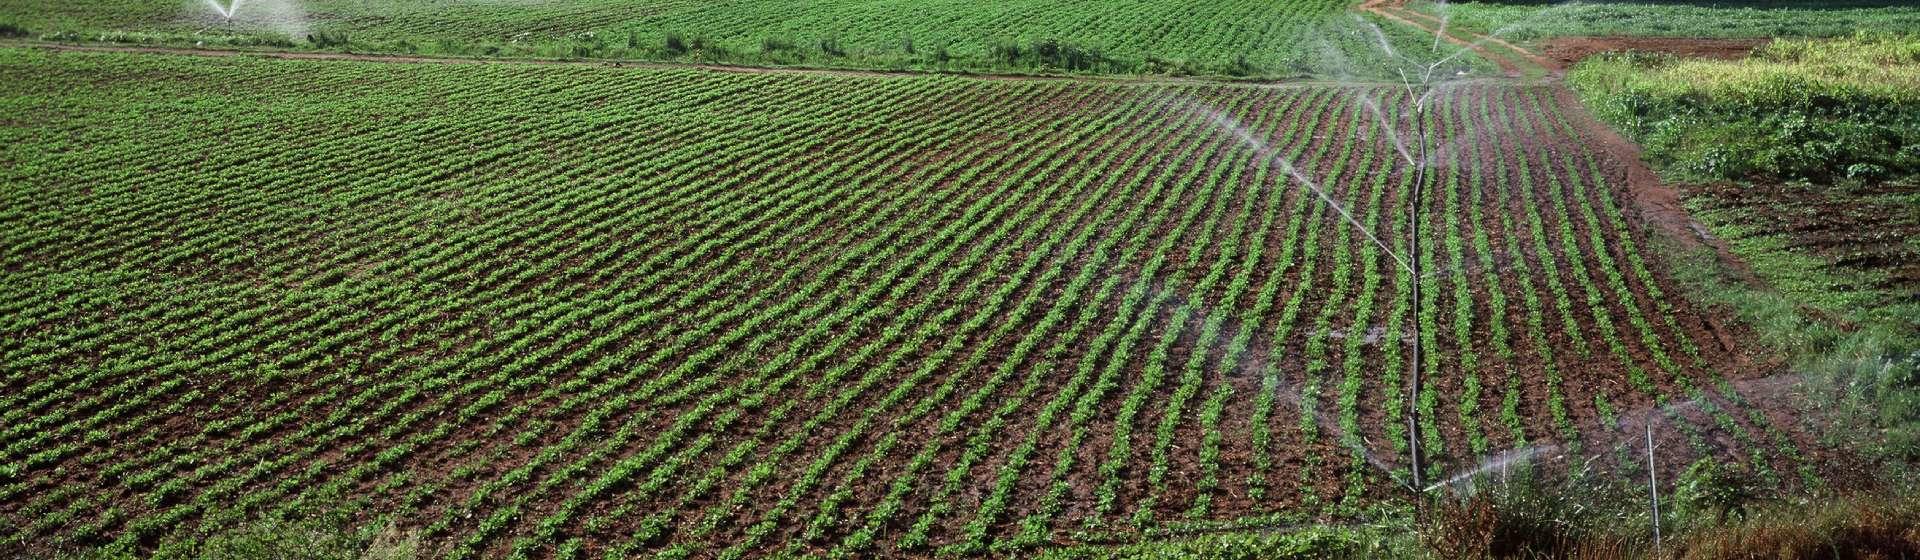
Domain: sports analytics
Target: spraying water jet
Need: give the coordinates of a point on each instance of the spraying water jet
(226, 12)
(1499, 462)
(282, 16)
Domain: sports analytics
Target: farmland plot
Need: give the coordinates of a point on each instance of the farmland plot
(1242, 38)
(554, 310)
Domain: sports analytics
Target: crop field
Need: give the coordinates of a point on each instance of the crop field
(858, 23)
(1136, 36)
(566, 310)
(1681, 18)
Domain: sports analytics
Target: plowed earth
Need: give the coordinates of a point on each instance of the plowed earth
(1565, 51)
(552, 309)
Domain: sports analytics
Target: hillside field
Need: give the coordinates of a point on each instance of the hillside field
(572, 310)
(1237, 38)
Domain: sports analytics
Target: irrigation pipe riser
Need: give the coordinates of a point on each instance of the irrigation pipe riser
(1653, 488)
(1413, 257)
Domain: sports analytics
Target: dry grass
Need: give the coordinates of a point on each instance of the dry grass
(1606, 522)
(1859, 527)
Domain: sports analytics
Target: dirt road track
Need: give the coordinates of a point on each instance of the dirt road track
(1395, 10)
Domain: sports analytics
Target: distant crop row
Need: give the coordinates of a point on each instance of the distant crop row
(567, 311)
(1240, 38)
(1736, 18)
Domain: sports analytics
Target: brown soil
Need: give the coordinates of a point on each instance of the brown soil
(1563, 52)
(1305, 466)
(1655, 203)
(1865, 228)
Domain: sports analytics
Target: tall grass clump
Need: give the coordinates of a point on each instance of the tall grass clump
(1534, 517)
(13, 29)
(1861, 526)
(320, 534)
(1813, 110)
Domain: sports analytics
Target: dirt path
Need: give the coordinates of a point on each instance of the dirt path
(1514, 63)
(1563, 52)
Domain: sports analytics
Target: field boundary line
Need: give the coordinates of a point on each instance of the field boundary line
(1091, 79)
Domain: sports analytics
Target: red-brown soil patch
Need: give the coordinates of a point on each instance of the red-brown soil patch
(1563, 52)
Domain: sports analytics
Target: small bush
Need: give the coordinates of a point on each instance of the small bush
(1712, 492)
(1051, 53)
(676, 44)
(1530, 517)
(327, 39)
(11, 29)
(831, 46)
(1241, 67)
(1818, 111)
(776, 44)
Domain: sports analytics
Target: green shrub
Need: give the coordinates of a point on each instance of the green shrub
(1534, 517)
(1713, 491)
(1798, 110)
(774, 44)
(1057, 55)
(325, 39)
(831, 46)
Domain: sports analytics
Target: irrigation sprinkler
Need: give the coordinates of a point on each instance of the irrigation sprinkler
(1413, 258)
(226, 12)
(284, 16)
(1420, 81)
(1418, 91)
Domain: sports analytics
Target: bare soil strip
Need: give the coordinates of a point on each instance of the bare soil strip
(1563, 52)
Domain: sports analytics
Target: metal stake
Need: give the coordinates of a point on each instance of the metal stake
(1653, 488)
